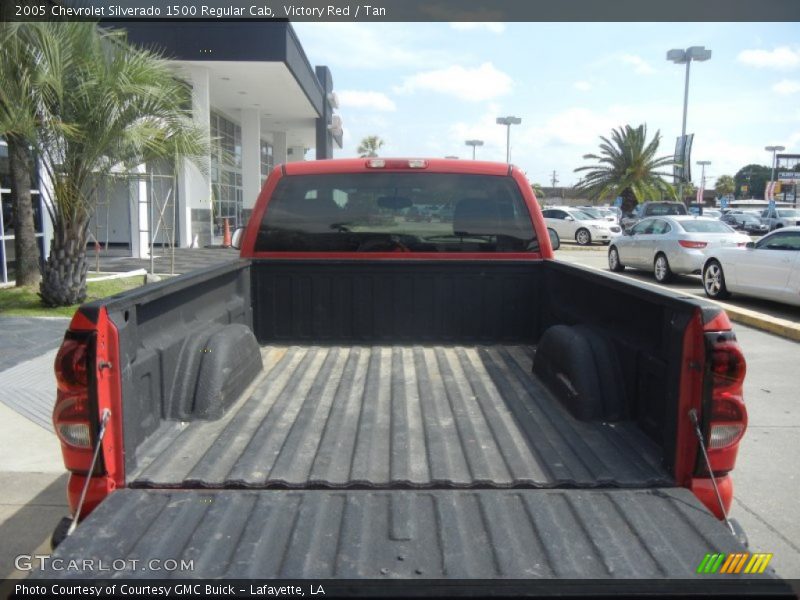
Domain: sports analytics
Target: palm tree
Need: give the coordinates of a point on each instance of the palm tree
(20, 77)
(369, 146)
(627, 167)
(724, 185)
(538, 191)
(108, 106)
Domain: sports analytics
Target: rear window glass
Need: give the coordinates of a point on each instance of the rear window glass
(705, 227)
(660, 210)
(396, 212)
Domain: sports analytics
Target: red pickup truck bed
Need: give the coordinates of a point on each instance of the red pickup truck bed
(414, 416)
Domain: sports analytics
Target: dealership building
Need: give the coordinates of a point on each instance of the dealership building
(263, 104)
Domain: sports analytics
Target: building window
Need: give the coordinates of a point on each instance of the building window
(267, 160)
(226, 173)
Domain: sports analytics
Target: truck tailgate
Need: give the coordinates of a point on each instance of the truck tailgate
(427, 534)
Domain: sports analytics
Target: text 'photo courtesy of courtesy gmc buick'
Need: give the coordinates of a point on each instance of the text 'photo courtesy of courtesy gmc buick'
(396, 380)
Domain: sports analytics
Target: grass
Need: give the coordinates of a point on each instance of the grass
(25, 302)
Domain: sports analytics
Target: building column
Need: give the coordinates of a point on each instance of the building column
(324, 148)
(251, 160)
(279, 147)
(140, 217)
(194, 186)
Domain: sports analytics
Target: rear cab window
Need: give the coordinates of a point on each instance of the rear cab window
(705, 227)
(389, 212)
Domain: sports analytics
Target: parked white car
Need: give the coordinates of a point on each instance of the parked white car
(668, 245)
(574, 224)
(768, 268)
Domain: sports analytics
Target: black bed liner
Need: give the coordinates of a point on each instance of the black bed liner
(398, 416)
(425, 534)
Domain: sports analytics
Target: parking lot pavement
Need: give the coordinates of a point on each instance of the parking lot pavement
(766, 479)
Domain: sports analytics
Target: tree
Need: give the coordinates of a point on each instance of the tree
(538, 191)
(725, 185)
(755, 177)
(20, 78)
(369, 146)
(628, 167)
(107, 106)
(689, 192)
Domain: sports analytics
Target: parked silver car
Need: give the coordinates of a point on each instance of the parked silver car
(667, 245)
(776, 218)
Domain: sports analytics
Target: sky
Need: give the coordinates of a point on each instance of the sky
(425, 88)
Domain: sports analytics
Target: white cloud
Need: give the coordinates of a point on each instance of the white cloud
(483, 128)
(365, 99)
(781, 58)
(583, 86)
(474, 85)
(640, 65)
(786, 87)
(367, 46)
(471, 26)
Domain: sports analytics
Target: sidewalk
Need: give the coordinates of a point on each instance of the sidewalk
(186, 259)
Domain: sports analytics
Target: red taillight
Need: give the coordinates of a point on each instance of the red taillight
(692, 244)
(72, 365)
(72, 415)
(728, 414)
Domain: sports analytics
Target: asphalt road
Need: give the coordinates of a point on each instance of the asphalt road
(766, 479)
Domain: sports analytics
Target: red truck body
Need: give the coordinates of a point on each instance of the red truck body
(710, 375)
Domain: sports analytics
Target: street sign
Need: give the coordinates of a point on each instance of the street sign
(745, 189)
(771, 205)
(618, 201)
(723, 203)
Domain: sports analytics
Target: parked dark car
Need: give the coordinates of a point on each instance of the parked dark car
(652, 209)
(745, 221)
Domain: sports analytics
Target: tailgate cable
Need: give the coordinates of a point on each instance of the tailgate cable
(695, 422)
(103, 421)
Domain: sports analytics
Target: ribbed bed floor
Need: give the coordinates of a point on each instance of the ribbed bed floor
(415, 416)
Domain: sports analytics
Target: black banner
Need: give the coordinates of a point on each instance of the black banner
(738, 587)
(407, 10)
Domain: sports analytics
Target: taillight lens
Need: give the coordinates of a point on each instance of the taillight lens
(72, 365)
(72, 413)
(71, 419)
(728, 414)
(728, 366)
(692, 244)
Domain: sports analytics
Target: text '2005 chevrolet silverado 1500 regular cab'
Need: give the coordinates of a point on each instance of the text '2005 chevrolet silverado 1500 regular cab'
(396, 380)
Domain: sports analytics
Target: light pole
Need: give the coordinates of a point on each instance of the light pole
(508, 122)
(474, 143)
(679, 57)
(703, 164)
(773, 149)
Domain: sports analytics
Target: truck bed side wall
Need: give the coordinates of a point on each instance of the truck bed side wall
(647, 329)
(153, 324)
(481, 302)
(325, 301)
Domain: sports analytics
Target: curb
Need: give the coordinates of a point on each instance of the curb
(775, 325)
